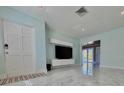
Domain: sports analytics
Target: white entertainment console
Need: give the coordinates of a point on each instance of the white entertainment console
(56, 62)
(60, 62)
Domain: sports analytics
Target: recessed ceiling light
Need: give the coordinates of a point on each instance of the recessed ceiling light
(83, 29)
(122, 13)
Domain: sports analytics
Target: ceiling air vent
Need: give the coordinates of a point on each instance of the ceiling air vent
(81, 12)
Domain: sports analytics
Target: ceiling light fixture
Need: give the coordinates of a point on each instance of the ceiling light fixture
(83, 29)
(82, 11)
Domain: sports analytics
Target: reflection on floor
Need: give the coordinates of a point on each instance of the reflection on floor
(72, 76)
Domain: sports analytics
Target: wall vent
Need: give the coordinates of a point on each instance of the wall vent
(81, 12)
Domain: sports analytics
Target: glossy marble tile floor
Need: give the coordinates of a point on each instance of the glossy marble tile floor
(72, 76)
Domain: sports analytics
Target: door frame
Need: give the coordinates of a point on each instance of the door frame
(95, 44)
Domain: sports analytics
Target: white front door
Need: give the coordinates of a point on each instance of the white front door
(28, 48)
(19, 49)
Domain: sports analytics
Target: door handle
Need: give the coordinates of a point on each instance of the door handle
(6, 46)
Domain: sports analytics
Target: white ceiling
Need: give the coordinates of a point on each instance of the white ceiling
(64, 19)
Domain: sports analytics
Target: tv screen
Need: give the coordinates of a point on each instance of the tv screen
(63, 52)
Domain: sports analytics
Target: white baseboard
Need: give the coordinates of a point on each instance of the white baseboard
(114, 67)
(42, 71)
(77, 64)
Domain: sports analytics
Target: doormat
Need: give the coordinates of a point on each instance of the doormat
(20, 78)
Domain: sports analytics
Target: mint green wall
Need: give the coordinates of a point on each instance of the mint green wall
(61, 36)
(11, 14)
(112, 47)
(2, 64)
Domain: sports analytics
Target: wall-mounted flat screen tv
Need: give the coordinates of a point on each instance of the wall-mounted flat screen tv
(63, 52)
